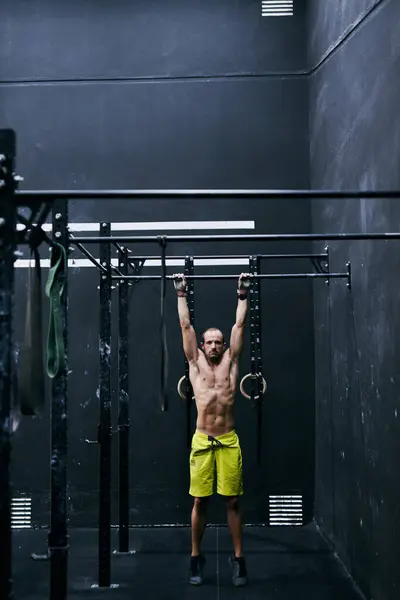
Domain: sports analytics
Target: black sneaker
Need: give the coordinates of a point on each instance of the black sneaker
(196, 569)
(239, 571)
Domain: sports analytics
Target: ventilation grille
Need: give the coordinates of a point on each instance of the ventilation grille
(286, 510)
(277, 8)
(21, 513)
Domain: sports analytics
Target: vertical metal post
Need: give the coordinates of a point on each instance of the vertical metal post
(123, 412)
(257, 320)
(255, 349)
(190, 267)
(104, 428)
(189, 270)
(8, 213)
(253, 344)
(58, 538)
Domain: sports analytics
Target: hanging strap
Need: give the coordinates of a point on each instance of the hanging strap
(163, 329)
(32, 377)
(15, 406)
(189, 270)
(56, 359)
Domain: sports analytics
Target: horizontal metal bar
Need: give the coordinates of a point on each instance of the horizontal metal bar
(259, 276)
(38, 527)
(30, 195)
(228, 256)
(255, 237)
(187, 525)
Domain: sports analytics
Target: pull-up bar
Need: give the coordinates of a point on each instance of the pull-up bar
(49, 195)
(255, 237)
(228, 256)
(229, 276)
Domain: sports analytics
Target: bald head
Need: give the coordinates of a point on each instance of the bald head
(213, 344)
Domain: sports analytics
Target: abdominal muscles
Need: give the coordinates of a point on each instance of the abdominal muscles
(214, 406)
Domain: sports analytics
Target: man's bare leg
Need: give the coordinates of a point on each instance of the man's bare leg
(235, 524)
(199, 513)
(197, 560)
(238, 563)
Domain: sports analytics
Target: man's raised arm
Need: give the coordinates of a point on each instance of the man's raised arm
(237, 334)
(188, 334)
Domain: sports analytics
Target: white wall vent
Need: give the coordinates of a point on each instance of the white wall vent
(286, 510)
(21, 513)
(277, 8)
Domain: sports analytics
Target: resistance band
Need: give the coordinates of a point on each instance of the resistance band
(15, 407)
(31, 375)
(56, 360)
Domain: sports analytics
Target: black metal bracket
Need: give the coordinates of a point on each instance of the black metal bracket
(321, 262)
(135, 264)
(137, 267)
(100, 265)
(348, 265)
(33, 234)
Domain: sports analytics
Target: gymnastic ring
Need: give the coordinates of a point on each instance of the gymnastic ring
(182, 395)
(253, 377)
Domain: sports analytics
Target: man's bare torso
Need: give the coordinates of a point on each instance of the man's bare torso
(214, 388)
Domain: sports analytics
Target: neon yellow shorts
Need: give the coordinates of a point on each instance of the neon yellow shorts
(220, 455)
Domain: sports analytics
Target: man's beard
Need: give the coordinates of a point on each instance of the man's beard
(214, 358)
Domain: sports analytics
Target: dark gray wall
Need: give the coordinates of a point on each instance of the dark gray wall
(167, 94)
(154, 94)
(332, 22)
(354, 140)
(93, 39)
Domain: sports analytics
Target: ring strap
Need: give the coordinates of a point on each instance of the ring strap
(163, 328)
(245, 378)
(189, 270)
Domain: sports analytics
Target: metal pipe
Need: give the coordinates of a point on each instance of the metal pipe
(49, 195)
(230, 256)
(259, 276)
(255, 237)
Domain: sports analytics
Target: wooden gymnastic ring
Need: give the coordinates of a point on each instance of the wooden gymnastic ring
(256, 376)
(182, 395)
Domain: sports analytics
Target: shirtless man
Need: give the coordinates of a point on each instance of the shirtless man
(213, 372)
